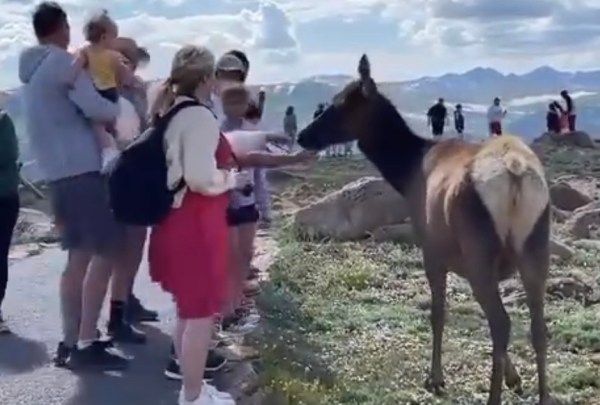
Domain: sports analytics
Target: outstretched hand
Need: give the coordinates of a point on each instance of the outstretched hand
(306, 156)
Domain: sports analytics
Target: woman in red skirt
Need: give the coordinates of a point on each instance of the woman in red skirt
(189, 249)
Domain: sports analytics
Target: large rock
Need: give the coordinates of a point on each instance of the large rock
(578, 138)
(582, 222)
(567, 198)
(560, 249)
(399, 233)
(34, 227)
(352, 212)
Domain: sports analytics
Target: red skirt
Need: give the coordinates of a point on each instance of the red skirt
(188, 255)
(496, 128)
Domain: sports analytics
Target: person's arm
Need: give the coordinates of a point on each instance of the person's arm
(79, 64)
(262, 97)
(267, 159)
(200, 138)
(124, 73)
(9, 144)
(85, 96)
(261, 192)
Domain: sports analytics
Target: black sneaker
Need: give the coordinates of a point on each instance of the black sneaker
(63, 353)
(96, 356)
(215, 361)
(137, 313)
(172, 372)
(126, 333)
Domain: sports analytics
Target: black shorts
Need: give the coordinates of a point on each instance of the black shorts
(83, 213)
(247, 214)
(110, 94)
(437, 128)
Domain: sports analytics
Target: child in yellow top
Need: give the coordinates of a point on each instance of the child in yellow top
(107, 69)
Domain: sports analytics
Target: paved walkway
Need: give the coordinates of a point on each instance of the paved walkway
(27, 376)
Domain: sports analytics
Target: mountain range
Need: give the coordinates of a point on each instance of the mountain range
(525, 96)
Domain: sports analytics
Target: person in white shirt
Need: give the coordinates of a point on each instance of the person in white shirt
(189, 250)
(495, 115)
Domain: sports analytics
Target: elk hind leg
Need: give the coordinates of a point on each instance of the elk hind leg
(534, 263)
(436, 276)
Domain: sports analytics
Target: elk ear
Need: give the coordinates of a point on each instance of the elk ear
(364, 71)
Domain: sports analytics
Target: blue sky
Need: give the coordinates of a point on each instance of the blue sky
(288, 40)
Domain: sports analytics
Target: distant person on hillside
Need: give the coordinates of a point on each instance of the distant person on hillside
(553, 117)
(290, 125)
(495, 115)
(569, 110)
(437, 117)
(319, 110)
(459, 121)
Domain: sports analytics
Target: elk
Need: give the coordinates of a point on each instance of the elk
(481, 211)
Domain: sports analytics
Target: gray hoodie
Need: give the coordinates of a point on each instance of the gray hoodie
(58, 117)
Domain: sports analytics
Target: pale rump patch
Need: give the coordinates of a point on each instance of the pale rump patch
(510, 181)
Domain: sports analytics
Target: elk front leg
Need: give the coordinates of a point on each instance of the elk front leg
(436, 276)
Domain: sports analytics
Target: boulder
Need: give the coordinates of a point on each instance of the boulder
(400, 233)
(559, 215)
(34, 227)
(594, 205)
(565, 197)
(587, 244)
(581, 223)
(353, 211)
(578, 138)
(558, 248)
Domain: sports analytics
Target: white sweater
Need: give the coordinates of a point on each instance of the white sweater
(191, 141)
(496, 113)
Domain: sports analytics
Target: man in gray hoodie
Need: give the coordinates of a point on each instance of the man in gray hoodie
(58, 120)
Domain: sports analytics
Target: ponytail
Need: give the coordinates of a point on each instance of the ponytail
(163, 101)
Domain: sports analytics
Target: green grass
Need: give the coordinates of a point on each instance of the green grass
(348, 323)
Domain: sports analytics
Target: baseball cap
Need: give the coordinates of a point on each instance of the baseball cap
(230, 63)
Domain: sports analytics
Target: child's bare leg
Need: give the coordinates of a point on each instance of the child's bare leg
(107, 143)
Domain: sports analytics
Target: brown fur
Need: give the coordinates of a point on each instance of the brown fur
(459, 234)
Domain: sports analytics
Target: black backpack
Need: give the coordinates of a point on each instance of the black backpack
(137, 181)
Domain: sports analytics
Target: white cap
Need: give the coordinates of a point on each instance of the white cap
(230, 63)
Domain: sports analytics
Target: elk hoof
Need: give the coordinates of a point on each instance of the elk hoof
(436, 386)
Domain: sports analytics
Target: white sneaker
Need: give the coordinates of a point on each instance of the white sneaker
(108, 156)
(209, 396)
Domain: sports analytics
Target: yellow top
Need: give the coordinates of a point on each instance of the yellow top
(102, 68)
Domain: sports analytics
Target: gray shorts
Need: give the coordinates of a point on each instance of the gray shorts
(83, 214)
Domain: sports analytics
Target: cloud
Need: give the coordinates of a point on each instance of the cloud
(274, 35)
(292, 39)
(512, 28)
(493, 9)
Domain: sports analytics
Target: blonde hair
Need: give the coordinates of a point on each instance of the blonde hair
(191, 66)
(98, 25)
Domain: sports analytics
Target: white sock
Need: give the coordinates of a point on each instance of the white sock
(82, 344)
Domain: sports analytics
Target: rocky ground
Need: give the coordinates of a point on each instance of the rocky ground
(348, 311)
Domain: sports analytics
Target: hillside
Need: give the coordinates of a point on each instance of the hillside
(348, 322)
